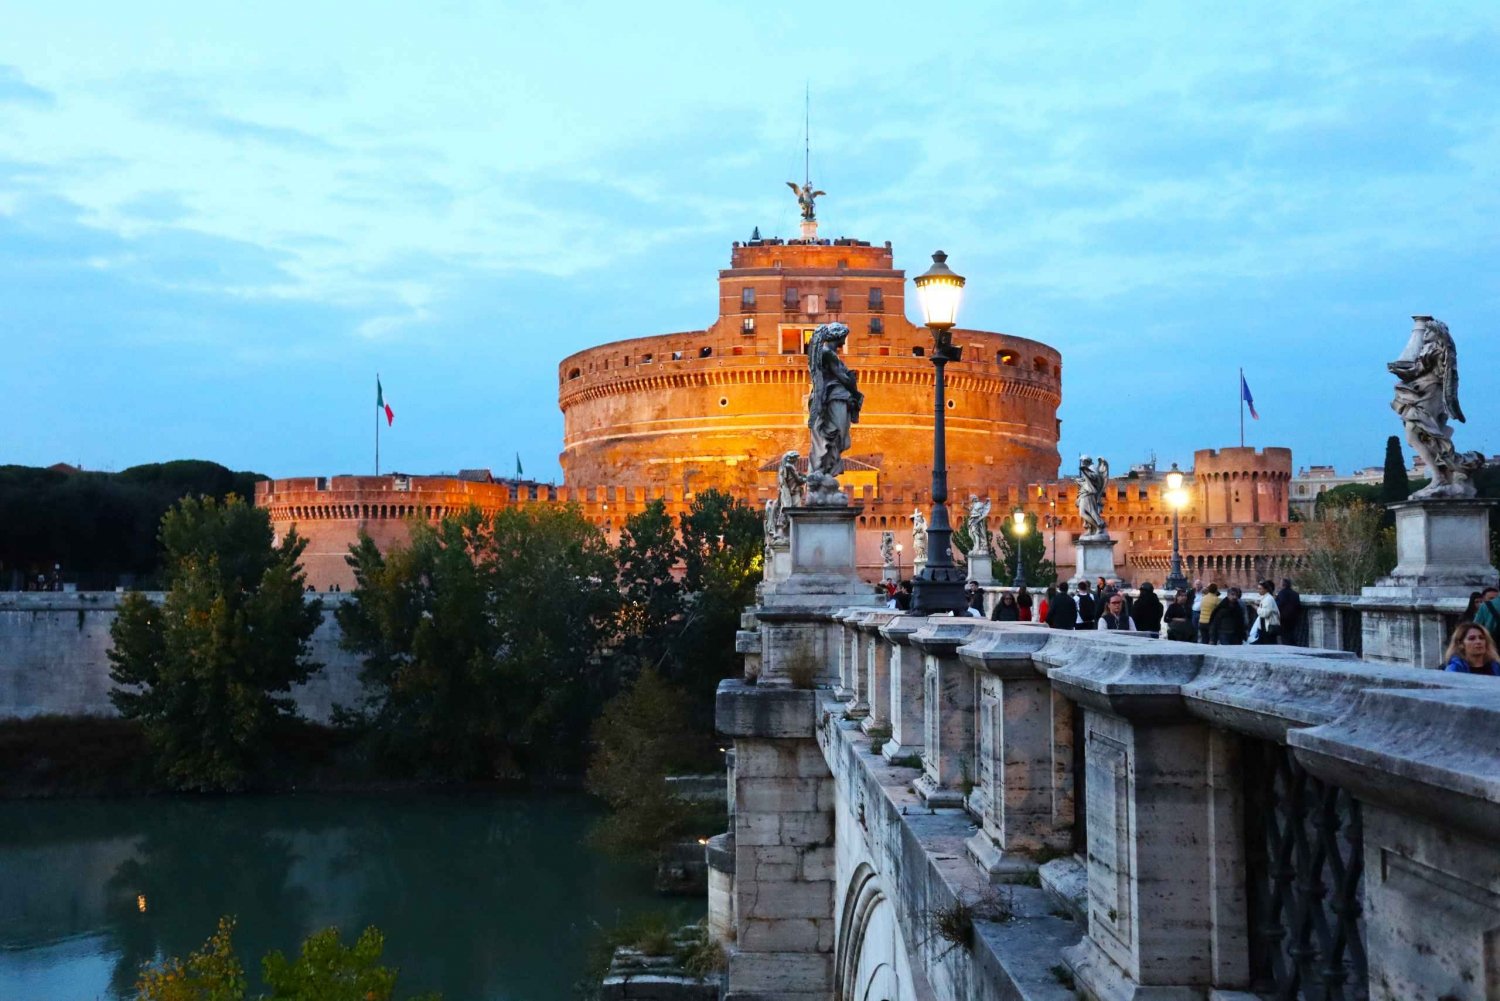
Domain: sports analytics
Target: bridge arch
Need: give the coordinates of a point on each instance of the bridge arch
(872, 961)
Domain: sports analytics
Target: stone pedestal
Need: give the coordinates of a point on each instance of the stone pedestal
(821, 569)
(982, 568)
(1096, 558)
(948, 766)
(809, 229)
(1442, 550)
(778, 562)
(905, 671)
(890, 573)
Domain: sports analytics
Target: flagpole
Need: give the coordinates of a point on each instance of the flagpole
(1242, 408)
(377, 426)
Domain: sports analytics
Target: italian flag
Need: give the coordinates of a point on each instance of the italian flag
(380, 404)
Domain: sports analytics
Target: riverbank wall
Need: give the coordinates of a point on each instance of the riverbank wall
(54, 657)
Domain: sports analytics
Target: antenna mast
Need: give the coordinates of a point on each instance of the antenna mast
(807, 133)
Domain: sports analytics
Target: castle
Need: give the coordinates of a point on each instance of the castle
(667, 415)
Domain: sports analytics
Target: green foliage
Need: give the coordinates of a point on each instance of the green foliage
(652, 598)
(1036, 568)
(206, 672)
(1348, 547)
(484, 641)
(99, 526)
(325, 970)
(1394, 485)
(641, 738)
(1348, 494)
(702, 955)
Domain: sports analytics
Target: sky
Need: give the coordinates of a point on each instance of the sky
(219, 222)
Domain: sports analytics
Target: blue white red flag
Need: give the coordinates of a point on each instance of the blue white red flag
(1245, 395)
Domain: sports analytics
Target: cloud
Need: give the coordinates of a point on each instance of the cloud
(15, 89)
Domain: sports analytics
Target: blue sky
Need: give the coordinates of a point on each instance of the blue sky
(217, 224)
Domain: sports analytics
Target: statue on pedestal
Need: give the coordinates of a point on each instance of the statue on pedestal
(832, 408)
(1426, 397)
(888, 550)
(978, 526)
(806, 197)
(1092, 481)
(918, 536)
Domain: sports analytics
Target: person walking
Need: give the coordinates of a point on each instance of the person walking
(1064, 611)
(1488, 612)
(1023, 603)
(1087, 610)
(1115, 616)
(1048, 596)
(1206, 603)
(1472, 651)
(1289, 607)
(1006, 609)
(1267, 628)
(1147, 610)
(1226, 625)
(1179, 619)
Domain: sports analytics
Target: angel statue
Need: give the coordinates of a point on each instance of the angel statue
(832, 407)
(887, 549)
(1426, 397)
(1092, 481)
(978, 526)
(790, 492)
(805, 198)
(918, 536)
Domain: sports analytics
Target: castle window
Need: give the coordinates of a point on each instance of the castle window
(705, 351)
(813, 304)
(1040, 365)
(1005, 358)
(918, 351)
(747, 325)
(1239, 533)
(835, 300)
(1057, 371)
(647, 359)
(677, 356)
(789, 298)
(877, 300)
(575, 373)
(747, 298)
(1208, 533)
(1283, 532)
(877, 325)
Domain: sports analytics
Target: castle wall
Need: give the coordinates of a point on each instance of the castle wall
(54, 658)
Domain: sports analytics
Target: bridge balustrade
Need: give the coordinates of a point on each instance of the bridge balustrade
(1294, 823)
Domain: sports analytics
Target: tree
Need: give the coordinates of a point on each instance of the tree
(207, 672)
(1348, 548)
(484, 641)
(641, 738)
(646, 557)
(1347, 494)
(1394, 486)
(1035, 567)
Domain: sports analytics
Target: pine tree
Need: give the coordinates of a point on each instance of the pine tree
(1394, 486)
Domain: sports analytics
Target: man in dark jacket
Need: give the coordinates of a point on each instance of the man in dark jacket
(1289, 605)
(1088, 613)
(1227, 627)
(1147, 610)
(1063, 612)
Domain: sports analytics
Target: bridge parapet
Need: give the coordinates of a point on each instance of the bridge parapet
(1236, 820)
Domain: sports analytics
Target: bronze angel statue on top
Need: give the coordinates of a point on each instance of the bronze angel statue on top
(805, 198)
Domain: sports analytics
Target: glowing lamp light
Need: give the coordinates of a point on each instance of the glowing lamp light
(940, 291)
(140, 902)
(1018, 521)
(1174, 478)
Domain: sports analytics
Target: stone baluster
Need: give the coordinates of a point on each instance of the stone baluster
(853, 674)
(1152, 823)
(1016, 782)
(877, 669)
(1424, 765)
(948, 712)
(906, 687)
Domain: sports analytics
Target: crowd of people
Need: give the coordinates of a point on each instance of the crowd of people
(1207, 614)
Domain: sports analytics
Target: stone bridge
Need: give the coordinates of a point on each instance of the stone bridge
(961, 809)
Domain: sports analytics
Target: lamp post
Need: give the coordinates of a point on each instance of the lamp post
(940, 585)
(900, 548)
(1175, 497)
(1018, 529)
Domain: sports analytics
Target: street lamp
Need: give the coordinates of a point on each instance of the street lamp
(1018, 529)
(1176, 497)
(900, 548)
(940, 585)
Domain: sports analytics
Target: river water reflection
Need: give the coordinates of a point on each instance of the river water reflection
(481, 897)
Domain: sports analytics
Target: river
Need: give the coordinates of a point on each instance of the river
(482, 897)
